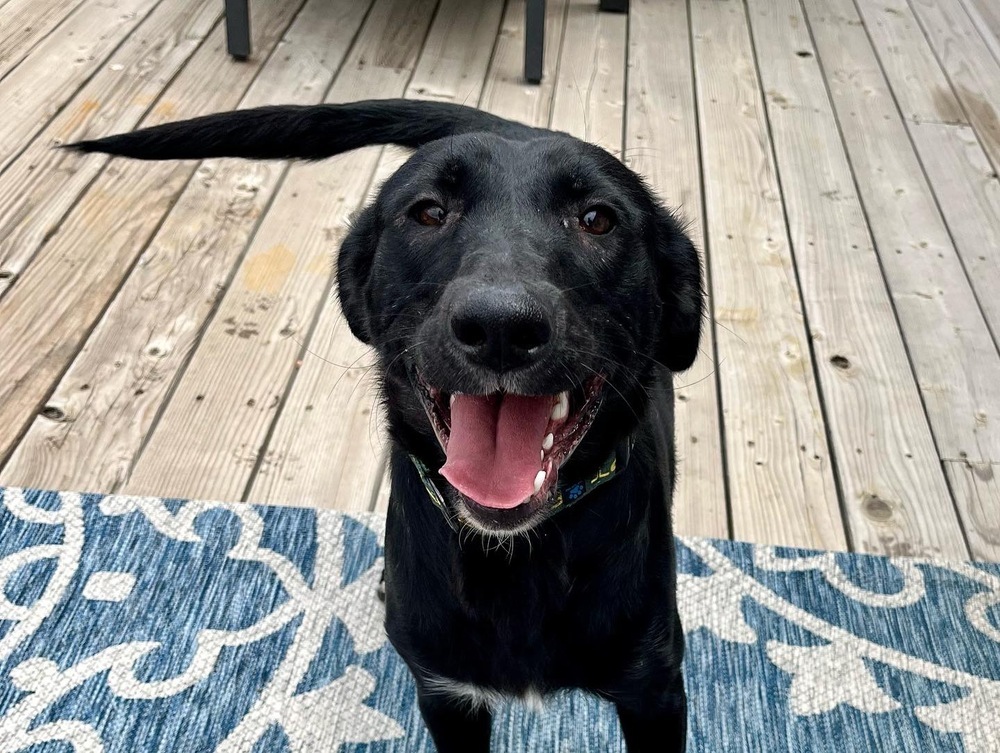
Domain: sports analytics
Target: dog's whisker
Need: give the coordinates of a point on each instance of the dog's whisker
(709, 375)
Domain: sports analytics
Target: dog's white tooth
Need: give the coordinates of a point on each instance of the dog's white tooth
(548, 442)
(451, 400)
(561, 409)
(539, 480)
(541, 456)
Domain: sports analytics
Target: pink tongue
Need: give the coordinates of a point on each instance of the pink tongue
(493, 452)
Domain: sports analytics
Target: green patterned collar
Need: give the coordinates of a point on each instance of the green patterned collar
(567, 493)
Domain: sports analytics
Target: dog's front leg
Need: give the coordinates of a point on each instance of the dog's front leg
(456, 726)
(656, 723)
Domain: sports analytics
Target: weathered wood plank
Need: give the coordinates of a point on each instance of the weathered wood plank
(84, 262)
(113, 390)
(32, 93)
(782, 486)
(25, 23)
(327, 445)
(968, 192)
(661, 143)
(985, 14)
(970, 65)
(277, 292)
(43, 183)
(959, 171)
(589, 97)
(921, 87)
(457, 53)
(506, 93)
(977, 489)
(894, 491)
(950, 346)
(384, 488)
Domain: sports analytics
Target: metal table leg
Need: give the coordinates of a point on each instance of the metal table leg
(534, 40)
(238, 28)
(615, 6)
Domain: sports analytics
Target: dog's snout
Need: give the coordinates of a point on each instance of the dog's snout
(502, 328)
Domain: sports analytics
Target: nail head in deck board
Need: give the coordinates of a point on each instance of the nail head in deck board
(970, 65)
(328, 432)
(661, 143)
(102, 237)
(168, 298)
(953, 354)
(41, 85)
(313, 195)
(41, 186)
(872, 400)
(969, 195)
(977, 491)
(766, 396)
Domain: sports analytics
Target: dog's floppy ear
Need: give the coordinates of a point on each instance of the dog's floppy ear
(354, 266)
(679, 283)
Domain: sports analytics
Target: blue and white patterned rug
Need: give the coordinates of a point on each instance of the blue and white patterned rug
(133, 625)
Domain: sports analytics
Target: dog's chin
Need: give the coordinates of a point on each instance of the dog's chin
(491, 521)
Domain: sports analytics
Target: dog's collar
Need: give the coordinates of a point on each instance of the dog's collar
(567, 493)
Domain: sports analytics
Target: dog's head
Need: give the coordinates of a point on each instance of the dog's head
(518, 293)
(520, 287)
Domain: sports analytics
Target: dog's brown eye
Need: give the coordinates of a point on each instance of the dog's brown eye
(598, 220)
(429, 213)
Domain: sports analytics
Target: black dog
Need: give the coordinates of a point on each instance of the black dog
(528, 299)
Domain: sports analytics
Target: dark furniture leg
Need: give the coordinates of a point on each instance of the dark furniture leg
(238, 28)
(534, 40)
(615, 6)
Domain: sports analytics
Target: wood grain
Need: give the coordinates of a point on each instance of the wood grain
(457, 53)
(953, 355)
(661, 143)
(958, 170)
(977, 490)
(506, 92)
(968, 192)
(589, 96)
(985, 14)
(113, 390)
(35, 91)
(41, 186)
(327, 445)
(216, 426)
(384, 489)
(82, 265)
(970, 65)
(25, 23)
(781, 482)
(894, 491)
(918, 82)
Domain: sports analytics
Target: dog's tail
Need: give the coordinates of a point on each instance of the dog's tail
(305, 132)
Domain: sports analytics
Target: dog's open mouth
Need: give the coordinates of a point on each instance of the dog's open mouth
(504, 449)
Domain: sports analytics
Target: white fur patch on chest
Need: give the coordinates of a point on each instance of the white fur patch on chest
(477, 696)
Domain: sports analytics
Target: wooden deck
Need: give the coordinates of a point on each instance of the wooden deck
(168, 328)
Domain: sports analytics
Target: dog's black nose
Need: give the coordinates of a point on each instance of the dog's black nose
(502, 328)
